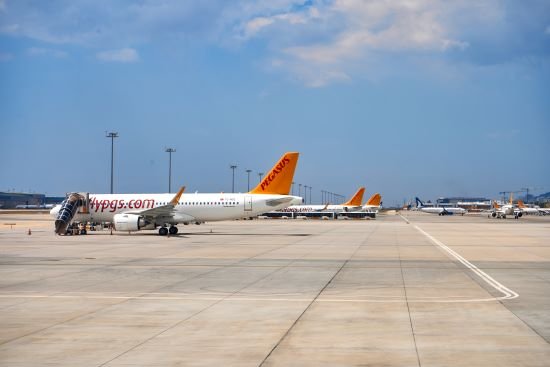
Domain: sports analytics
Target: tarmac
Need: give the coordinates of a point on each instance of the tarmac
(403, 290)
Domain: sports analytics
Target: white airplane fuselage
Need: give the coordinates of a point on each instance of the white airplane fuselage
(319, 208)
(506, 210)
(191, 208)
(440, 210)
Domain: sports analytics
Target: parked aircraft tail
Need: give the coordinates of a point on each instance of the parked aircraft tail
(357, 198)
(279, 179)
(375, 200)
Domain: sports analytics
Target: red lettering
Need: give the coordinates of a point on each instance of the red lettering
(113, 205)
(148, 203)
(278, 169)
(138, 204)
(104, 204)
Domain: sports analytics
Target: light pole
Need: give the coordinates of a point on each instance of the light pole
(260, 174)
(233, 166)
(170, 151)
(112, 135)
(292, 188)
(310, 194)
(299, 189)
(248, 173)
(305, 194)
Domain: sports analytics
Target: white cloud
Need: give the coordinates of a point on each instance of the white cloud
(122, 55)
(37, 51)
(321, 44)
(255, 25)
(337, 39)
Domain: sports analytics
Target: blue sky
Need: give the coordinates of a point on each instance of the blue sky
(428, 98)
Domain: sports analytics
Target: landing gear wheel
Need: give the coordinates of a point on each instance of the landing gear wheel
(83, 231)
(163, 231)
(173, 230)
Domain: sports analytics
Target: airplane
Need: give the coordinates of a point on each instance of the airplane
(353, 203)
(502, 211)
(439, 210)
(135, 212)
(529, 210)
(373, 204)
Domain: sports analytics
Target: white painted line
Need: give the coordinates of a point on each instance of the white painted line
(508, 293)
(235, 298)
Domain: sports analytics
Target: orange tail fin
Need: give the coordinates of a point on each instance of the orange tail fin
(279, 178)
(375, 200)
(520, 204)
(495, 204)
(357, 198)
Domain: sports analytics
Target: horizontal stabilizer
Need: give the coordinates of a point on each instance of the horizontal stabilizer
(277, 202)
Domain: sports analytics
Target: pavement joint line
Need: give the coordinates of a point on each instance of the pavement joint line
(100, 308)
(508, 293)
(144, 297)
(300, 316)
(407, 302)
(310, 304)
(216, 301)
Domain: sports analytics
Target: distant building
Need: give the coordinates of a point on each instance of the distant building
(12, 200)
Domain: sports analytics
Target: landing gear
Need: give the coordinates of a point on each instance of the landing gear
(163, 231)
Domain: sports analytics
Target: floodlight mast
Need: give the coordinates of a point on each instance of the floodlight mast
(170, 151)
(112, 135)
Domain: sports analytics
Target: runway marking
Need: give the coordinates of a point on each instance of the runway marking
(236, 298)
(508, 293)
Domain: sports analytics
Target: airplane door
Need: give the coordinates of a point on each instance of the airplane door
(248, 203)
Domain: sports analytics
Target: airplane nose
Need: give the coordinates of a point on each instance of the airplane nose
(55, 211)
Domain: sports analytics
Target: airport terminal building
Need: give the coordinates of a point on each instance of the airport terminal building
(13, 200)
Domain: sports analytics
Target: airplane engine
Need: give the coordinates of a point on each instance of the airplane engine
(129, 222)
(494, 214)
(520, 214)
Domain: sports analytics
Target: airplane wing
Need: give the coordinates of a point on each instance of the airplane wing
(161, 211)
